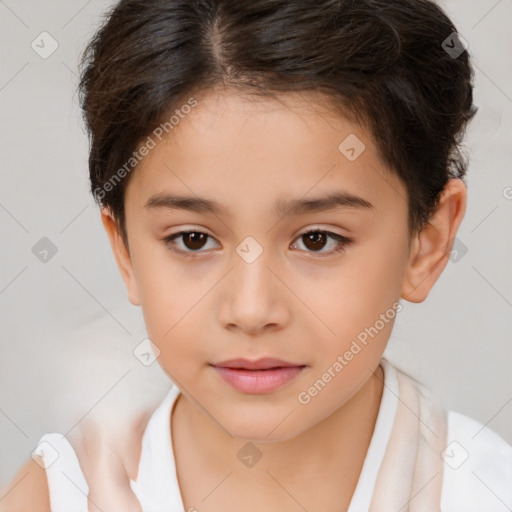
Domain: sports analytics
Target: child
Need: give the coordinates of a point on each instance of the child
(274, 177)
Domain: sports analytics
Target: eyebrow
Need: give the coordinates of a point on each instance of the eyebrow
(339, 199)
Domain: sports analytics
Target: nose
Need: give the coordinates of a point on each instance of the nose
(253, 298)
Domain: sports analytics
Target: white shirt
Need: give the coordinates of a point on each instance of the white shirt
(477, 473)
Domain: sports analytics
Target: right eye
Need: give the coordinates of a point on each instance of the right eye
(191, 242)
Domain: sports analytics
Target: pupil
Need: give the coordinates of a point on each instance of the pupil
(315, 241)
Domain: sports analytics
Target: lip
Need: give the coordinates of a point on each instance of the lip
(256, 377)
(264, 363)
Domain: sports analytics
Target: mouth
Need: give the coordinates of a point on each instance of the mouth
(256, 377)
(266, 363)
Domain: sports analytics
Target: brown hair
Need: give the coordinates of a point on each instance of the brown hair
(385, 63)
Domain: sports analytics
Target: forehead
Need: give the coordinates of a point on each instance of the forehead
(246, 148)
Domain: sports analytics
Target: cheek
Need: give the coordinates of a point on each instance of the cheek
(173, 306)
(159, 288)
(172, 325)
(358, 300)
(166, 288)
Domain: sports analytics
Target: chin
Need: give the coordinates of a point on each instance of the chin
(259, 430)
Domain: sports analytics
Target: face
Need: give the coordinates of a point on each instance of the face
(247, 281)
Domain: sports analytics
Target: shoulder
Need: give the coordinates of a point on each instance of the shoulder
(27, 491)
(477, 469)
(95, 452)
(52, 477)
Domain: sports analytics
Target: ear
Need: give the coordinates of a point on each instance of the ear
(431, 248)
(121, 254)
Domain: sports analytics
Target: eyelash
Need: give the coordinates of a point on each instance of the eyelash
(343, 242)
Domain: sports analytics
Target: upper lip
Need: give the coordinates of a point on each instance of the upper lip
(259, 364)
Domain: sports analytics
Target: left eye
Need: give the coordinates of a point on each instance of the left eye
(315, 240)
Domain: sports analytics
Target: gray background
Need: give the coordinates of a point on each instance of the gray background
(67, 328)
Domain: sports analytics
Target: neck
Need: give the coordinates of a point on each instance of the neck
(331, 452)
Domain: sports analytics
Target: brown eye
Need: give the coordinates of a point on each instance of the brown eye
(191, 241)
(194, 240)
(315, 240)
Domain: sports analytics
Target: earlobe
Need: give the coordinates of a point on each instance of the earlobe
(122, 256)
(432, 247)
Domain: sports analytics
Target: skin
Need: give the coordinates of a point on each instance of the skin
(292, 303)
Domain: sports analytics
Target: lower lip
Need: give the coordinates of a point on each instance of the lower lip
(258, 381)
